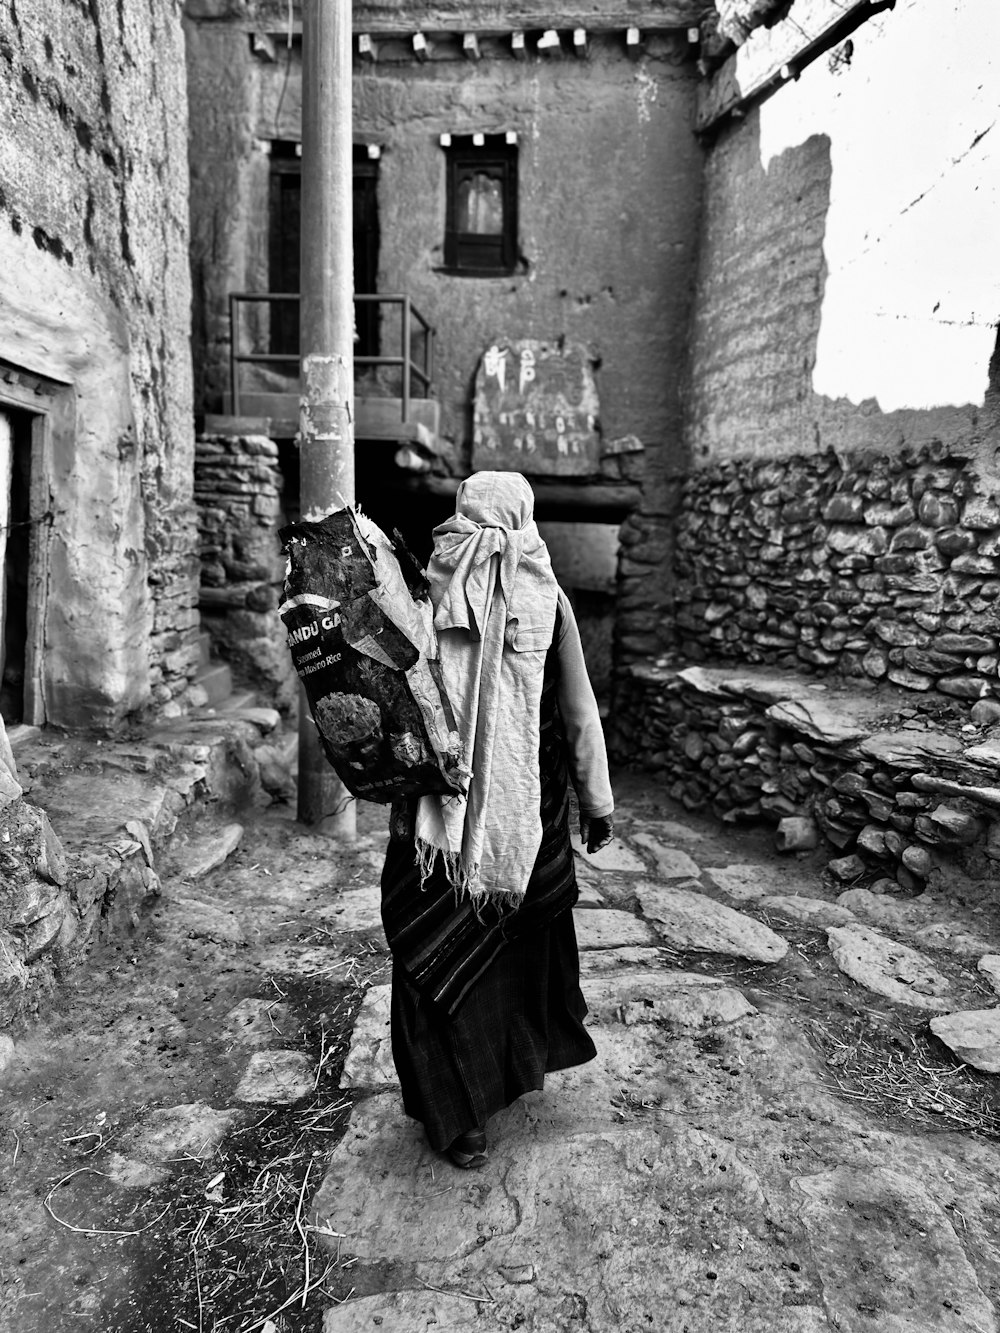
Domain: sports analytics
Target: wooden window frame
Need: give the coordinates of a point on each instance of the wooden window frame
(469, 254)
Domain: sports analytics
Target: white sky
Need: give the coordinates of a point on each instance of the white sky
(913, 233)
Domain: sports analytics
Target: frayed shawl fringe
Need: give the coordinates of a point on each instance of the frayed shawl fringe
(462, 878)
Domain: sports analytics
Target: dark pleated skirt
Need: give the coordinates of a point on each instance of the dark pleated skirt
(522, 1020)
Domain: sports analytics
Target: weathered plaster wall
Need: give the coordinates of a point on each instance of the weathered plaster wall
(845, 314)
(95, 297)
(848, 288)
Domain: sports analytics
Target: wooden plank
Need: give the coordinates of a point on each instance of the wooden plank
(555, 501)
(770, 55)
(404, 17)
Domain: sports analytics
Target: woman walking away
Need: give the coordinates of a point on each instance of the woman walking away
(476, 892)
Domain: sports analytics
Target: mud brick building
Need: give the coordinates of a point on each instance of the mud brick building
(96, 434)
(527, 180)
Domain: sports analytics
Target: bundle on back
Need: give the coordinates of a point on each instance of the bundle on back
(362, 640)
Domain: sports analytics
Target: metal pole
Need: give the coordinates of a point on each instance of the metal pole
(326, 419)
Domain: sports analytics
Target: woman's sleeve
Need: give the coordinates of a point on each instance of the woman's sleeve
(588, 756)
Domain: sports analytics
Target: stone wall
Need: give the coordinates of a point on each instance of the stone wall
(902, 788)
(238, 492)
(95, 309)
(873, 566)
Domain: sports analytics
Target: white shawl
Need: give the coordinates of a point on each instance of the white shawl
(495, 596)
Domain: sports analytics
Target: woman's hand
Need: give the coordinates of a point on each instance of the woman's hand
(596, 833)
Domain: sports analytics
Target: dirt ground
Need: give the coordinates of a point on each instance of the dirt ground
(223, 1243)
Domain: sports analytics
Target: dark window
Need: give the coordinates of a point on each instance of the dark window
(481, 224)
(284, 238)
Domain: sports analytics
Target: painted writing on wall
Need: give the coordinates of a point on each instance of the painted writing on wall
(536, 409)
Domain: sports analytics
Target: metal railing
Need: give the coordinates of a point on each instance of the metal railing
(411, 322)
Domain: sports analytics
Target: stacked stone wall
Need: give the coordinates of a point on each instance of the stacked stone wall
(900, 789)
(238, 493)
(885, 568)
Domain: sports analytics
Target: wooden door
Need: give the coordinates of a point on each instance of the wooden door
(284, 236)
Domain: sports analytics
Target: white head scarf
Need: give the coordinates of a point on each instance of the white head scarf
(494, 596)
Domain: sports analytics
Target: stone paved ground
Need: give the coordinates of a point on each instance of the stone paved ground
(771, 1140)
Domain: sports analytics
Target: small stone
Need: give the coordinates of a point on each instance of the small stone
(918, 861)
(129, 1173)
(280, 1077)
(518, 1274)
(846, 868)
(191, 1129)
(973, 1035)
(201, 855)
(6, 1051)
(984, 712)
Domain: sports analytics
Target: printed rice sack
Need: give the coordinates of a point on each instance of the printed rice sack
(362, 641)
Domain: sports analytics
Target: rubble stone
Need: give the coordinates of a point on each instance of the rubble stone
(973, 1035)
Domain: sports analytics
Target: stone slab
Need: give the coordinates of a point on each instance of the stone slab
(279, 1077)
(589, 895)
(671, 862)
(255, 1022)
(608, 928)
(692, 921)
(301, 960)
(191, 1129)
(205, 921)
(669, 831)
(199, 856)
(592, 1212)
(615, 857)
(595, 961)
(680, 1001)
(743, 882)
(888, 1257)
(818, 912)
(919, 920)
(988, 965)
(354, 908)
(888, 968)
(131, 1174)
(7, 1051)
(973, 1035)
(369, 1060)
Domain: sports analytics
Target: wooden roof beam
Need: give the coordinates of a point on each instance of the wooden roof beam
(771, 56)
(402, 18)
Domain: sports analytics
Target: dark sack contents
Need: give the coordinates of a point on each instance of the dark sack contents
(365, 650)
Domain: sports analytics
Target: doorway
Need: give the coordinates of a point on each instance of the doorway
(15, 561)
(284, 235)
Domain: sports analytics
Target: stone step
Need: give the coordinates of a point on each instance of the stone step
(217, 682)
